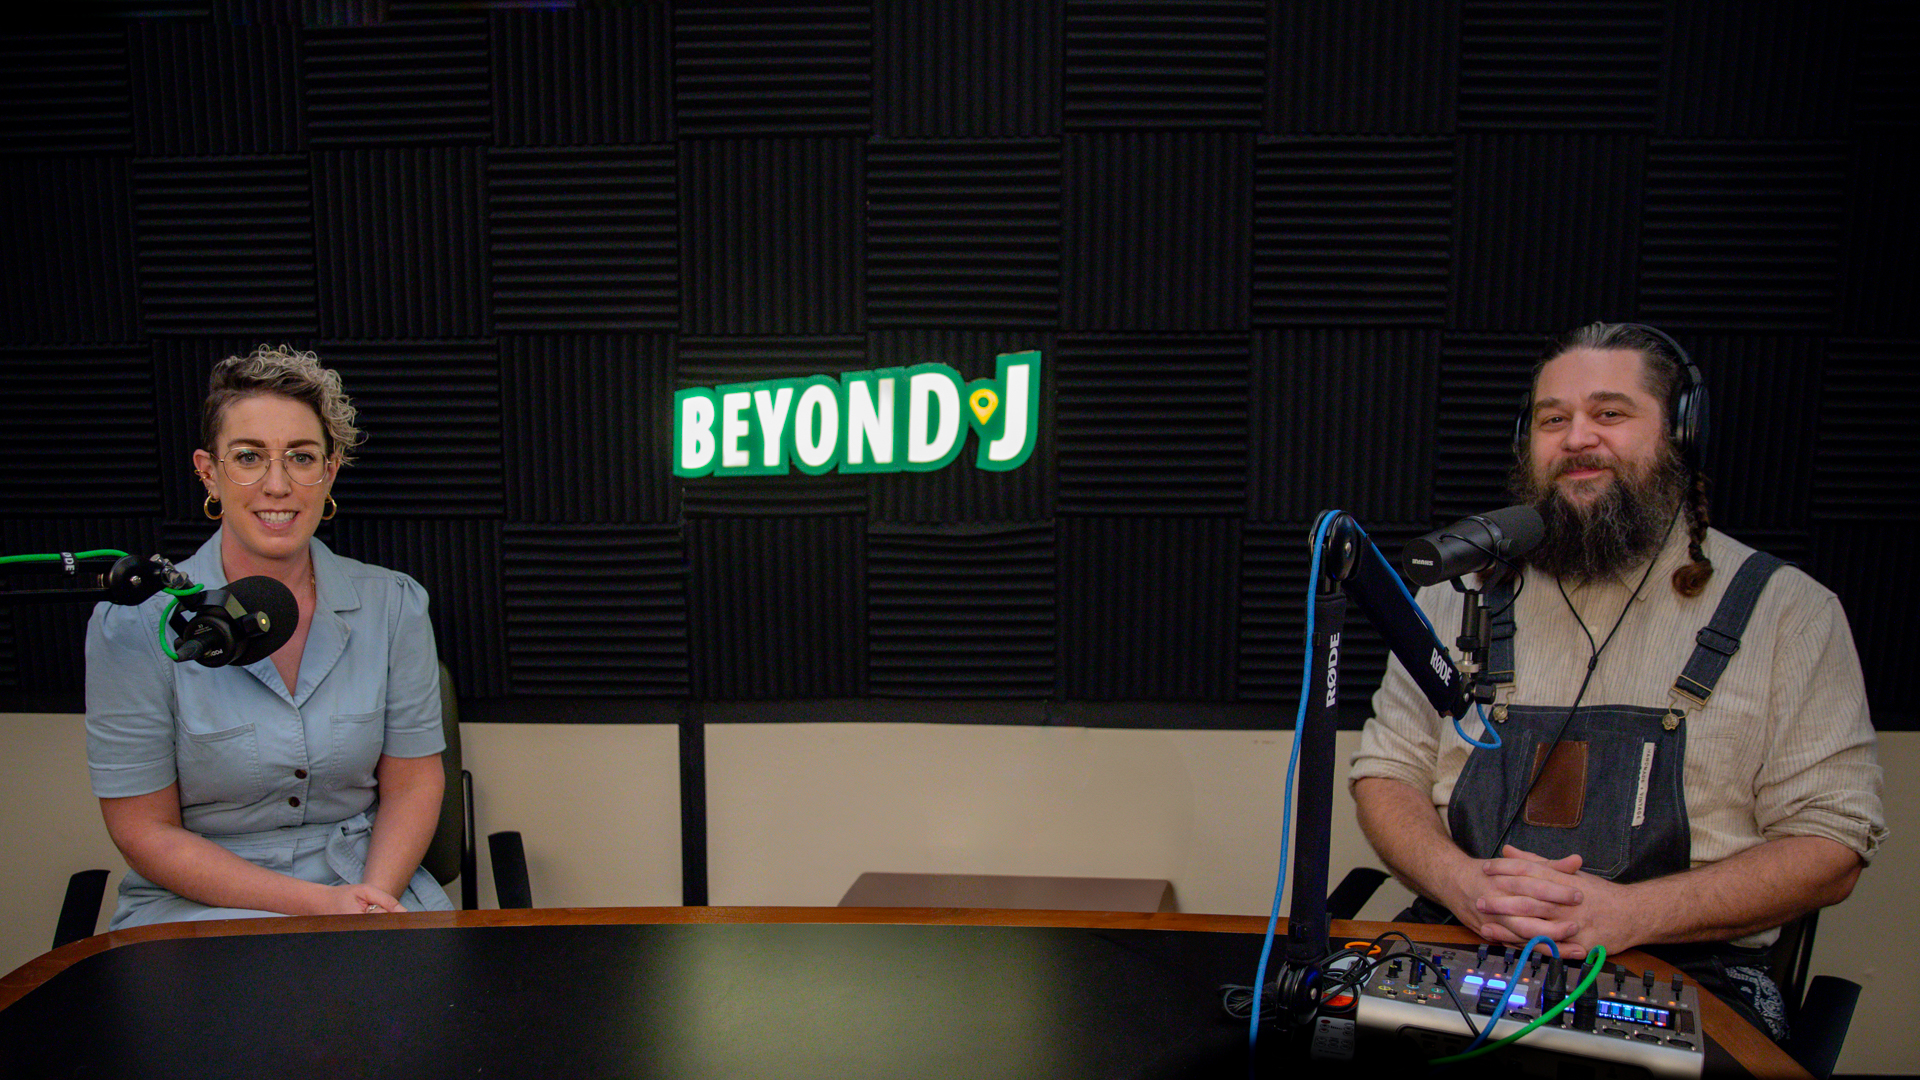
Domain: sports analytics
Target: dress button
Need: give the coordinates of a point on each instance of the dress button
(293, 800)
(299, 774)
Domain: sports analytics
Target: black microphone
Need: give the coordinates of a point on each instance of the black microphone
(1473, 545)
(243, 623)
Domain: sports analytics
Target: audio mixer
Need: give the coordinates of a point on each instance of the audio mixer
(1634, 1021)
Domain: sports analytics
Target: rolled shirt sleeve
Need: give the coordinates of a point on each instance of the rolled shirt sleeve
(1821, 776)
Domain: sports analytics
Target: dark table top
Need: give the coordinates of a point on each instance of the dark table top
(802, 993)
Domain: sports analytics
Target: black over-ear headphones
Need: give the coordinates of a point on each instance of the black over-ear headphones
(1686, 411)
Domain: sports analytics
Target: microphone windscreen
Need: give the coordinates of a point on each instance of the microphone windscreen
(267, 595)
(1473, 545)
(1521, 529)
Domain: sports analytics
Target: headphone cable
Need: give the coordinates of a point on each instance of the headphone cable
(1593, 661)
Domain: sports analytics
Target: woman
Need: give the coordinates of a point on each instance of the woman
(308, 783)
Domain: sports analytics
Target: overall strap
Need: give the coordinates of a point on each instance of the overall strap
(1717, 641)
(1714, 645)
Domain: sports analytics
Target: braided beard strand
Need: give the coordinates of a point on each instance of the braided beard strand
(1624, 527)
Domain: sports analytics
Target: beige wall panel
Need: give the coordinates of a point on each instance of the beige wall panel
(50, 827)
(798, 811)
(596, 805)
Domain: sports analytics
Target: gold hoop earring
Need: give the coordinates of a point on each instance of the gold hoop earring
(332, 509)
(207, 508)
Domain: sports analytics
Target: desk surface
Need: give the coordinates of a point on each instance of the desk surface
(826, 991)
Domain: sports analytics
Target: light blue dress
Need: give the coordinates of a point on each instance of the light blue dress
(283, 778)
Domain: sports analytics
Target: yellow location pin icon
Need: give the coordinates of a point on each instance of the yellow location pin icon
(983, 401)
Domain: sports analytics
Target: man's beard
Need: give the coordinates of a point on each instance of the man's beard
(1621, 528)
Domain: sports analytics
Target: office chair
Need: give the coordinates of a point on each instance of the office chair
(1819, 1011)
(450, 855)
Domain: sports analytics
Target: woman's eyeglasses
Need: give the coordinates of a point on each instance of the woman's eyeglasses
(245, 465)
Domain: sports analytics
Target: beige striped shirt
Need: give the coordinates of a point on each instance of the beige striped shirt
(1784, 748)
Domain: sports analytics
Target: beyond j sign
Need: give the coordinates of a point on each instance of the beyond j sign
(910, 419)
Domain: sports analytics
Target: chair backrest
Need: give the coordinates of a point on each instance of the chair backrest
(443, 856)
(1791, 959)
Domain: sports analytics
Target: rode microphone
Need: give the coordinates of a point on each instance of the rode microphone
(243, 623)
(1473, 545)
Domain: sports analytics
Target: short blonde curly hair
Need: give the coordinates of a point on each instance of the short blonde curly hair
(289, 372)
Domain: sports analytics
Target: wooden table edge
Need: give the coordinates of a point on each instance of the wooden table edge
(1747, 1046)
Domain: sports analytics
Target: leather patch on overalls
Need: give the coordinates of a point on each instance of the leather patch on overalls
(1559, 795)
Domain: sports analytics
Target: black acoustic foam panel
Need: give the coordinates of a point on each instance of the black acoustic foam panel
(431, 411)
(226, 245)
(1757, 70)
(964, 234)
(1484, 378)
(771, 236)
(968, 69)
(1759, 445)
(1742, 234)
(1881, 251)
(961, 611)
(1343, 419)
(1862, 563)
(1390, 67)
(586, 438)
(1552, 63)
(602, 76)
(405, 82)
(1152, 424)
(1352, 231)
(250, 103)
(584, 238)
(1865, 454)
(1547, 228)
(777, 607)
(69, 219)
(764, 70)
(1147, 607)
(1157, 231)
(402, 242)
(1886, 94)
(596, 610)
(1133, 64)
(87, 444)
(65, 91)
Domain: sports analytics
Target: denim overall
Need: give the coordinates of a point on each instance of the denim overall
(1611, 789)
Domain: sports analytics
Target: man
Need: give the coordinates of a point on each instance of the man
(1636, 799)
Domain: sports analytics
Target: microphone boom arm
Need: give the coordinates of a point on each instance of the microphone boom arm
(128, 580)
(1351, 567)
